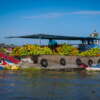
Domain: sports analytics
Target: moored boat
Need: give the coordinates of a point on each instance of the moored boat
(2, 67)
(94, 68)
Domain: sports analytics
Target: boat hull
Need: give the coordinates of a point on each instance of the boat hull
(2, 67)
(92, 69)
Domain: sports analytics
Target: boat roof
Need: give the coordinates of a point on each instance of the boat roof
(55, 37)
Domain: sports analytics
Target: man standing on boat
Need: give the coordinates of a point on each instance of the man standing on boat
(52, 44)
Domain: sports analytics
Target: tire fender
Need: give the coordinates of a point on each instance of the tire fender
(44, 63)
(78, 61)
(62, 61)
(90, 62)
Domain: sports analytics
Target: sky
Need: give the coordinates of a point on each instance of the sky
(60, 17)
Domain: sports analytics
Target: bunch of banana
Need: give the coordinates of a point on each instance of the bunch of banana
(91, 52)
(31, 50)
(67, 50)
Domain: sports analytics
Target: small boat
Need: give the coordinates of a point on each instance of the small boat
(2, 67)
(11, 65)
(7, 64)
(94, 68)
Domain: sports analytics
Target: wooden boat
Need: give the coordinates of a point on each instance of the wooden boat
(64, 62)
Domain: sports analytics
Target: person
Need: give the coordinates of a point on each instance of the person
(52, 44)
(3, 62)
(84, 65)
(0, 61)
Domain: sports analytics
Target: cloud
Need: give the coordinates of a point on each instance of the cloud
(86, 12)
(48, 15)
(57, 14)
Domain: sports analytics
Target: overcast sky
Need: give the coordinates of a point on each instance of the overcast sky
(62, 17)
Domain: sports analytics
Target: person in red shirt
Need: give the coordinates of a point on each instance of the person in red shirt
(83, 65)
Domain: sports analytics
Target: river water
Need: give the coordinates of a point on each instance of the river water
(43, 85)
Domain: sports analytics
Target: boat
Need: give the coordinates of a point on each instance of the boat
(94, 68)
(2, 67)
(65, 62)
(7, 64)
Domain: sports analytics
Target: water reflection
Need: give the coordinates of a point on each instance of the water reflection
(43, 85)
